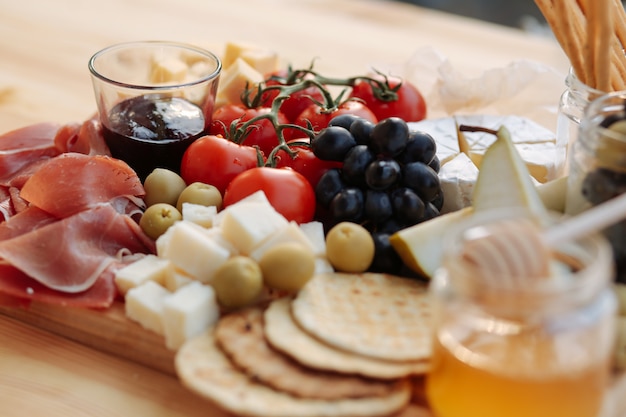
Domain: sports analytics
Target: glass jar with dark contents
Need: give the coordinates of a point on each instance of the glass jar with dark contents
(154, 99)
(598, 166)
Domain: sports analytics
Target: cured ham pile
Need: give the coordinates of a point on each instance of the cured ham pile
(66, 216)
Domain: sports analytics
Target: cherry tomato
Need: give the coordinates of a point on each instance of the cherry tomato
(297, 101)
(320, 119)
(305, 162)
(261, 133)
(216, 161)
(409, 106)
(287, 190)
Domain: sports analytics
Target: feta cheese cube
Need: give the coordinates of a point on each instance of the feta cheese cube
(144, 305)
(248, 225)
(188, 312)
(194, 252)
(148, 268)
(199, 214)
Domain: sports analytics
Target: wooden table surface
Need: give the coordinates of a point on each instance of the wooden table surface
(44, 48)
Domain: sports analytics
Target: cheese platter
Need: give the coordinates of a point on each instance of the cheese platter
(111, 330)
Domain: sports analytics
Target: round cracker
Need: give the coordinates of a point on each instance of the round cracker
(286, 336)
(377, 315)
(241, 337)
(204, 369)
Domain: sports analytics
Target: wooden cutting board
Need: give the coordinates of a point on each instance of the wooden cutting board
(105, 330)
(111, 332)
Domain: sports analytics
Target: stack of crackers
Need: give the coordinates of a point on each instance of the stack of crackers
(592, 34)
(345, 345)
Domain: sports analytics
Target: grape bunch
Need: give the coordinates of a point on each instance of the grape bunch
(388, 179)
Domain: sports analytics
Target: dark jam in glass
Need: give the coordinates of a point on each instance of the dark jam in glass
(150, 132)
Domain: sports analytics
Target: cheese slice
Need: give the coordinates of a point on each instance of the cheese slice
(535, 144)
(233, 82)
(148, 268)
(234, 50)
(188, 312)
(458, 178)
(263, 61)
(171, 70)
(144, 305)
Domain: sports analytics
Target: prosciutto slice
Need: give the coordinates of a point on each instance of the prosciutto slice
(85, 138)
(70, 255)
(21, 147)
(74, 182)
(18, 289)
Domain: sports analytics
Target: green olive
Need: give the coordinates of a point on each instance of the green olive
(158, 218)
(350, 247)
(200, 193)
(237, 282)
(287, 266)
(163, 186)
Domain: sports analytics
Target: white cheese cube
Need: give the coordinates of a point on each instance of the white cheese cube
(314, 231)
(163, 243)
(217, 234)
(290, 233)
(248, 225)
(144, 305)
(199, 214)
(188, 312)
(168, 71)
(176, 279)
(148, 268)
(256, 197)
(194, 252)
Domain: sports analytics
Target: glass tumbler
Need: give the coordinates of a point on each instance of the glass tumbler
(154, 99)
(541, 349)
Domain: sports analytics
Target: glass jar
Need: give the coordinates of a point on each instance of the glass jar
(598, 167)
(541, 349)
(572, 104)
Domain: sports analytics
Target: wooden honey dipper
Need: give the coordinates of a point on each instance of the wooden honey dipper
(519, 248)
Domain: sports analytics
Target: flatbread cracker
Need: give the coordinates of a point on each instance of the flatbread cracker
(377, 315)
(241, 337)
(286, 336)
(204, 369)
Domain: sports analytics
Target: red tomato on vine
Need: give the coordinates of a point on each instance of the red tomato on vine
(214, 160)
(305, 162)
(410, 105)
(261, 133)
(319, 118)
(287, 191)
(296, 103)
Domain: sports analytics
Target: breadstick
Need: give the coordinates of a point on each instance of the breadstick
(599, 33)
(554, 11)
(619, 21)
(618, 67)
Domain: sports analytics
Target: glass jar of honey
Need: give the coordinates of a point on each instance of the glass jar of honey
(541, 349)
